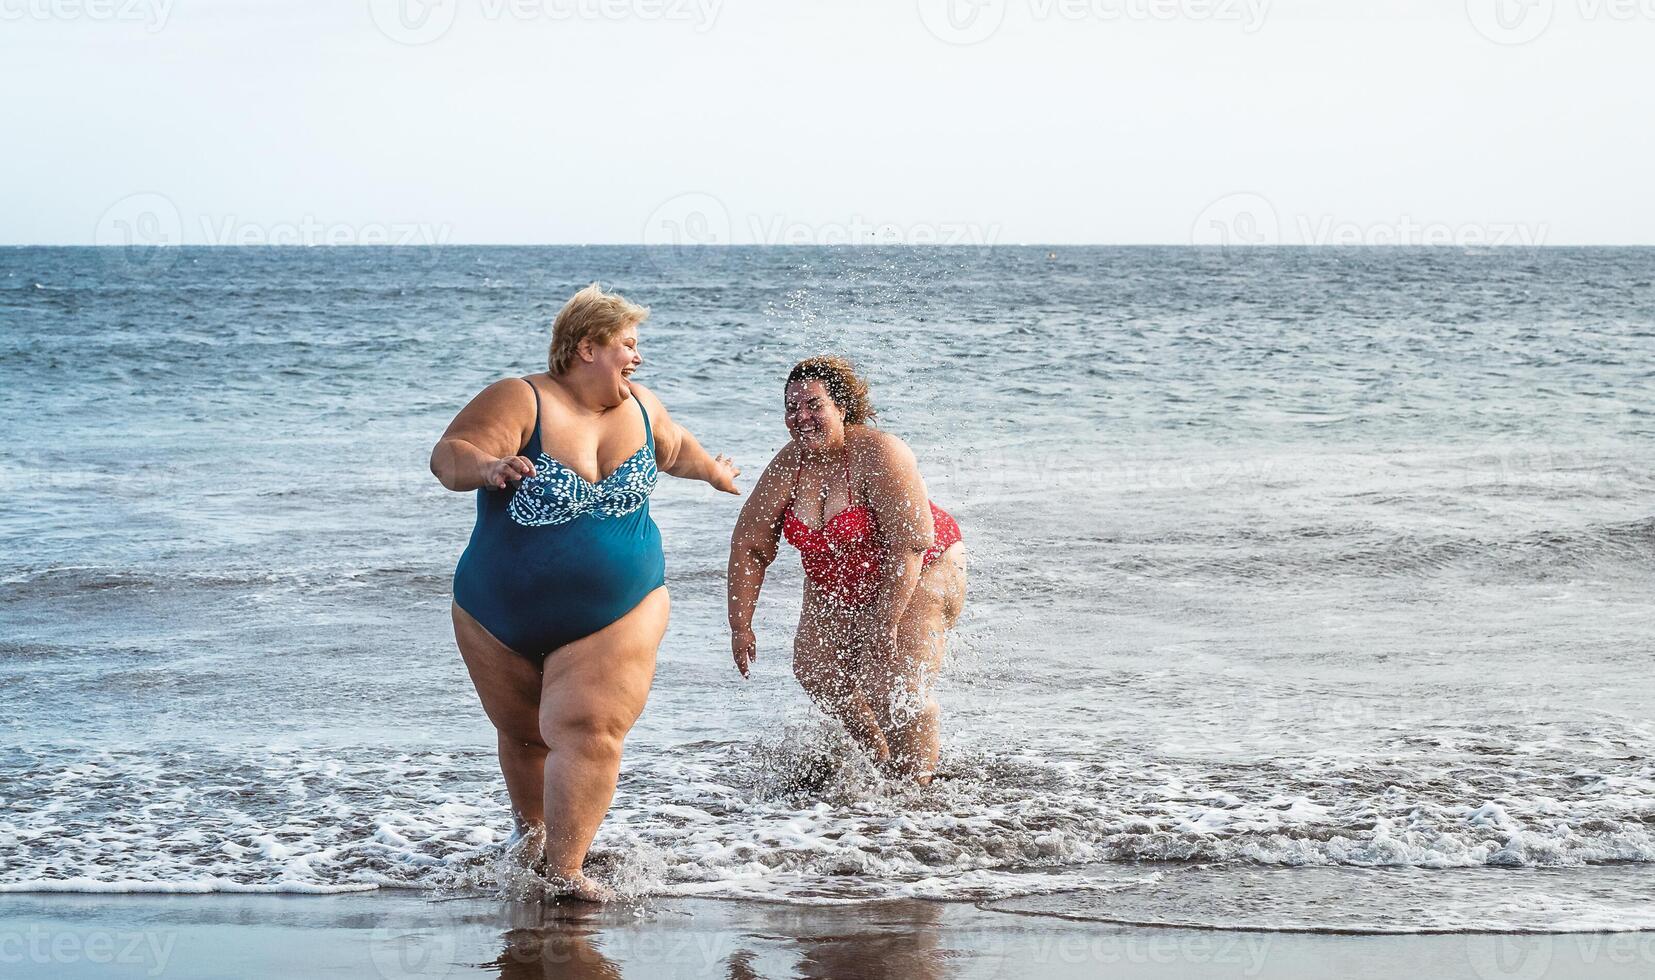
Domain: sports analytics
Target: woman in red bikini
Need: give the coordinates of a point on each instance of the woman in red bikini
(884, 568)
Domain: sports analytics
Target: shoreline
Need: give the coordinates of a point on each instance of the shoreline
(412, 934)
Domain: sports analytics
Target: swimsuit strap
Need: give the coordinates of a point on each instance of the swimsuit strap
(649, 433)
(534, 440)
(849, 496)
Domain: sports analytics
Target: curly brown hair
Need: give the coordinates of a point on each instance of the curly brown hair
(847, 388)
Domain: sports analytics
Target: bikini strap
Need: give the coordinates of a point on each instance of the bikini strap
(793, 493)
(534, 439)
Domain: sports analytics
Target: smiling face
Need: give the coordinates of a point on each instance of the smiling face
(813, 420)
(617, 359)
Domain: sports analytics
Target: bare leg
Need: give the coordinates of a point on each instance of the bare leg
(900, 692)
(593, 691)
(509, 687)
(822, 664)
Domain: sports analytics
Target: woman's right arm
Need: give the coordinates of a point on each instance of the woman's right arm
(479, 449)
(752, 549)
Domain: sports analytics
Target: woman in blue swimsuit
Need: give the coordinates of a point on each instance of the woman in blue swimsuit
(559, 599)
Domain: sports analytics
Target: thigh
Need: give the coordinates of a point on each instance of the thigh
(507, 683)
(934, 608)
(602, 681)
(946, 579)
(825, 647)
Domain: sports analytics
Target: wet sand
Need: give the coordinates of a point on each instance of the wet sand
(410, 934)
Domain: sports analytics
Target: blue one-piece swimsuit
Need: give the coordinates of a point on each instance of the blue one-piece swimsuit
(557, 558)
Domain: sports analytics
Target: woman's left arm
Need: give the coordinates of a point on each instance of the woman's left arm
(899, 501)
(678, 454)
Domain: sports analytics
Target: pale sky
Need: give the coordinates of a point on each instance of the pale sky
(764, 121)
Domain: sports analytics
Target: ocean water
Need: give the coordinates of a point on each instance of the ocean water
(1310, 589)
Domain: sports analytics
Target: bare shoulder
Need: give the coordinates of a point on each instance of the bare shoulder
(514, 389)
(773, 493)
(498, 419)
(883, 450)
(508, 399)
(782, 464)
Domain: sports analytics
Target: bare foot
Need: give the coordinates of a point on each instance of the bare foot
(525, 850)
(578, 887)
(902, 769)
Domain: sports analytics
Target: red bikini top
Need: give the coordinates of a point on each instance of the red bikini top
(841, 555)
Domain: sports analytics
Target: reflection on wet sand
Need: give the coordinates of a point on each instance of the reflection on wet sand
(896, 941)
(741, 966)
(902, 945)
(554, 941)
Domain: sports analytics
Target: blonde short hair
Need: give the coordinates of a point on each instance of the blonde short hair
(590, 314)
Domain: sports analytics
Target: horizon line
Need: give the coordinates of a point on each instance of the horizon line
(913, 245)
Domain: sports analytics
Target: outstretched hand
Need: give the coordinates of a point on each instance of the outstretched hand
(745, 646)
(508, 469)
(723, 476)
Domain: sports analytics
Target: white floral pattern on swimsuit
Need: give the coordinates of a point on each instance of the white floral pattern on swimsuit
(557, 494)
